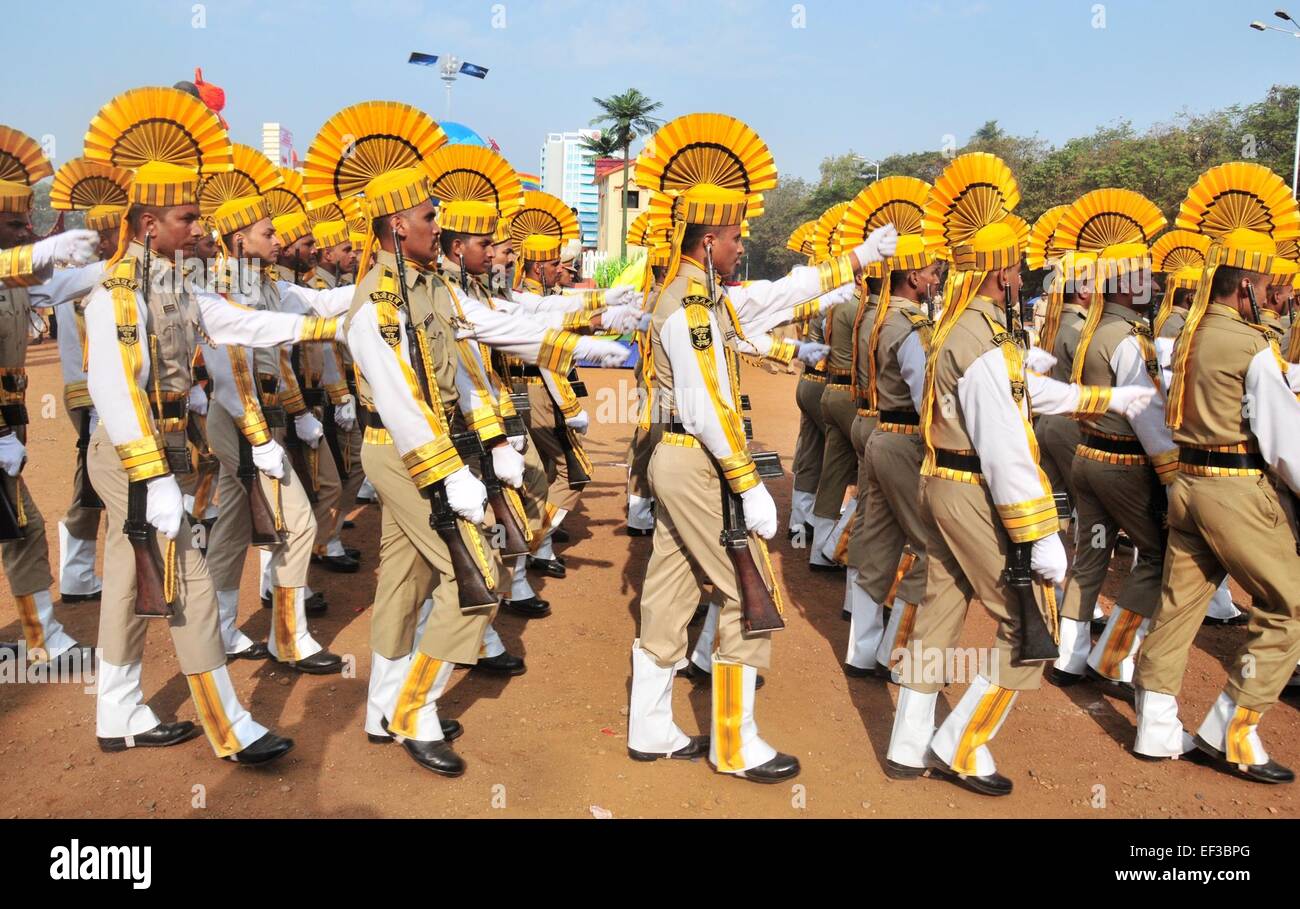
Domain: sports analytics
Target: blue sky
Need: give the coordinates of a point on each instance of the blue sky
(873, 77)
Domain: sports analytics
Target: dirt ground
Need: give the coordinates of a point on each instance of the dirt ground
(552, 743)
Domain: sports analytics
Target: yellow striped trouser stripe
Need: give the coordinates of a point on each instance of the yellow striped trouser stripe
(207, 700)
(905, 626)
(905, 563)
(728, 708)
(33, 632)
(414, 694)
(286, 620)
(1237, 741)
(1120, 642)
(988, 712)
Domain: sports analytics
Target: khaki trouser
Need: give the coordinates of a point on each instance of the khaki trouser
(891, 517)
(1218, 526)
(808, 448)
(839, 462)
(686, 555)
(1058, 437)
(859, 432)
(350, 445)
(966, 550)
(230, 538)
(639, 452)
(27, 560)
(1109, 498)
(541, 428)
(329, 493)
(195, 628)
(82, 523)
(414, 563)
(536, 487)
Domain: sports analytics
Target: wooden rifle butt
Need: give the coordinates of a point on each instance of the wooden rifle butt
(471, 587)
(150, 588)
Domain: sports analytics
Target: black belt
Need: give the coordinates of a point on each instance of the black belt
(14, 414)
(170, 410)
(313, 397)
(953, 460)
(1113, 446)
(677, 427)
(526, 371)
(370, 419)
(1199, 457)
(814, 371)
(269, 386)
(902, 417)
(840, 377)
(12, 383)
(276, 416)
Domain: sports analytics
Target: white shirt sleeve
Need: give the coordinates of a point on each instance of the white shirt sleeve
(116, 387)
(911, 363)
(225, 390)
(768, 304)
(1129, 368)
(1274, 415)
(701, 404)
(996, 426)
(66, 284)
(225, 322)
(388, 373)
(70, 348)
(334, 301)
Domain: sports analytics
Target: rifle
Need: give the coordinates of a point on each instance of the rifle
(151, 594)
(1037, 641)
(10, 529)
(471, 585)
(1159, 494)
(207, 468)
(576, 462)
(301, 460)
(332, 438)
(514, 540)
(266, 530)
(87, 498)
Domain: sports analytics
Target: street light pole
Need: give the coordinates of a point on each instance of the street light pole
(1294, 33)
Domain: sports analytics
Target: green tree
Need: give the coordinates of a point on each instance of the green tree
(627, 117)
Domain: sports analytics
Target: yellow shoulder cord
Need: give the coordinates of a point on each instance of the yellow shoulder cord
(1085, 338)
(1142, 332)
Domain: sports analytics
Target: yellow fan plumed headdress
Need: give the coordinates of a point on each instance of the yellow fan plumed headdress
(100, 190)
(826, 232)
(375, 150)
(22, 164)
(899, 201)
(800, 240)
(236, 199)
(703, 169)
(1117, 226)
(1066, 269)
(1246, 210)
(474, 187)
(540, 229)
(168, 138)
(1179, 255)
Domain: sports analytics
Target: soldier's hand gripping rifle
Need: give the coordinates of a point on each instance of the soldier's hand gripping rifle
(471, 584)
(1037, 640)
(514, 541)
(153, 599)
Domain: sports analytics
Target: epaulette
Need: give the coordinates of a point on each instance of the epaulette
(696, 294)
(122, 275)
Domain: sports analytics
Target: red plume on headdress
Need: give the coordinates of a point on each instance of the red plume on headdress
(214, 96)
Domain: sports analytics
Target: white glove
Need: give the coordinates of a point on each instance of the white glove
(164, 508)
(345, 414)
(269, 458)
(579, 423)
(509, 465)
(1047, 560)
(1039, 360)
(198, 400)
(643, 323)
(842, 294)
(760, 511)
(1130, 400)
(812, 352)
(880, 244)
(466, 495)
(608, 354)
(618, 319)
(309, 428)
(624, 295)
(72, 247)
(12, 454)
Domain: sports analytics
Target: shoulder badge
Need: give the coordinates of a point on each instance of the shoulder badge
(391, 333)
(386, 296)
(702, 337)
(128, 335)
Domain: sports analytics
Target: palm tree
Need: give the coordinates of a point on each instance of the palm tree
(628, 118)
(602, 145)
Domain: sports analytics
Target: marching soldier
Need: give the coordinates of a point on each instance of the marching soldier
(101, 192)
(1223, 517)
(29, 281)
(142, 328)
(983, 496)
(889, 370)
(1120, 466)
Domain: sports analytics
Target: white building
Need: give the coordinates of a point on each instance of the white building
(568, 171)
(277, 144)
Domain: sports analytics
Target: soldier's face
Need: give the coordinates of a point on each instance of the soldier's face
(298, 255)
(418, 228)
(727, 248)
(345, 257)
(476, 253)
(259, 242)
(174, 230)
(927, 280)
(108, 241)
(15, 230)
